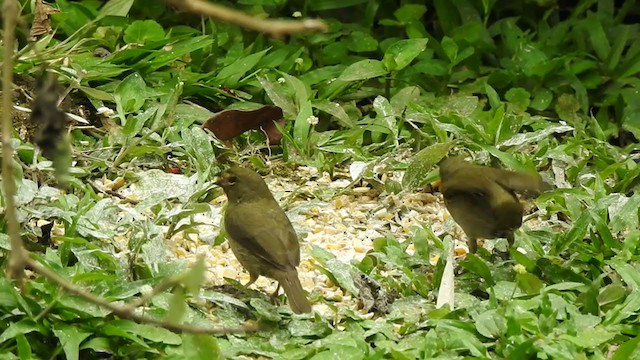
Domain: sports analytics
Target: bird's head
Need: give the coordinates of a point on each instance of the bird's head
(243, 184)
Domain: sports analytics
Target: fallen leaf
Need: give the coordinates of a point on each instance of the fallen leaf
(41, 23)
(228, 124)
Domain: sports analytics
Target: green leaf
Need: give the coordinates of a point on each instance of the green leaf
(24, 348)
(598, 37)
(450, 48)
(23, 326)
(403, 52)
(143, 31)
(492, 94)
(265, 310)
(230, 75)
(590, 337)
(200, 347)
(342, 273)
(130, 94)
(423, 162)
(542, 99)
(70, 339)
(321, 5)
(529, 283)
(359, 41)
(116, 8)
(336, 110)
(577, 233)
(363, 70)
(627, 349)
(629, 307)
(477, 266)
(491, 324)
(519, 97)
(628, 272)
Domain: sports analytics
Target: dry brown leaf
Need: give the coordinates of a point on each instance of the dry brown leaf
(228, 124)
(41, 23)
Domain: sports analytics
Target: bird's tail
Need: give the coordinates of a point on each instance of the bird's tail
(292, 287)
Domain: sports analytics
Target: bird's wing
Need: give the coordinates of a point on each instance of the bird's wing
(469, 185)
(518, 181)
(268, 233)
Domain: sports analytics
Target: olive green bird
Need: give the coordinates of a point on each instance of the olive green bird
(261, 235)
(483, 200)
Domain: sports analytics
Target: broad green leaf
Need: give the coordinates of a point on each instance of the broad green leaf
(24, 326)
(200, 347)
(598, 37)
(278, 95)
(363, 70)
(519, 97)
(422, 163)
(70, 338)
(265, 310)
(343, 273)
(577, 233)
(403, 52)
(336, 110)
(231, 74)
(321, 5)
(491, 324)
(629, 307)
(492, 94)
(590, 337)
(143, 31)
(450, 48)
(116, 8)
(627, 349)
(529, 283)
(130, 94)
(174, 52)
(541, 99)
(629, 273)
(476, 265)
(359, 41)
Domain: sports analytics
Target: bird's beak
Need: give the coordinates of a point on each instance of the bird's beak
(223, 180)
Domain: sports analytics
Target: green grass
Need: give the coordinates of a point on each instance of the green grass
(528, 85)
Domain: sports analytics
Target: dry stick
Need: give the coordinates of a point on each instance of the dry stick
(276, 28)
(18, 255)
(128, 312)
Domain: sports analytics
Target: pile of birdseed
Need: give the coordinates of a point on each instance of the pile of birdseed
(345, 225)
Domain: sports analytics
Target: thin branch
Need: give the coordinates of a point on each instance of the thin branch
(128, 312)
(276, 28)
(162, 286)
(18, 256)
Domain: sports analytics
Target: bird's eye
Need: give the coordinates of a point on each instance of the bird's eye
(232, 179)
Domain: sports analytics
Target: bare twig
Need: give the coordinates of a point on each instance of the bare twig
(162, 286)
(18, 255)
(276, 28)
(128, 312)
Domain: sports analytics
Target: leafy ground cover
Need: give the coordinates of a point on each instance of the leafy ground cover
(389, 88)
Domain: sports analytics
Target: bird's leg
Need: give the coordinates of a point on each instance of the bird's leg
(274, 296)
(473, 244)
(252, 279)
(506, 255)
(510, 239)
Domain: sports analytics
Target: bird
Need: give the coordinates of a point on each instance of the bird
(483, 200)
(261, 235)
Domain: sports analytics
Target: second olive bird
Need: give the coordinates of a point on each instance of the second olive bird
(261, 235)
(483, 200)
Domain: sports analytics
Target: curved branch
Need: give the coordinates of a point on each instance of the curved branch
(276, 28)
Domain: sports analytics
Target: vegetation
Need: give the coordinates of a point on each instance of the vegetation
(544, 85)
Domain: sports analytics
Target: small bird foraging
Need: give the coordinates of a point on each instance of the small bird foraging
(483, 200)
(261, 235)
